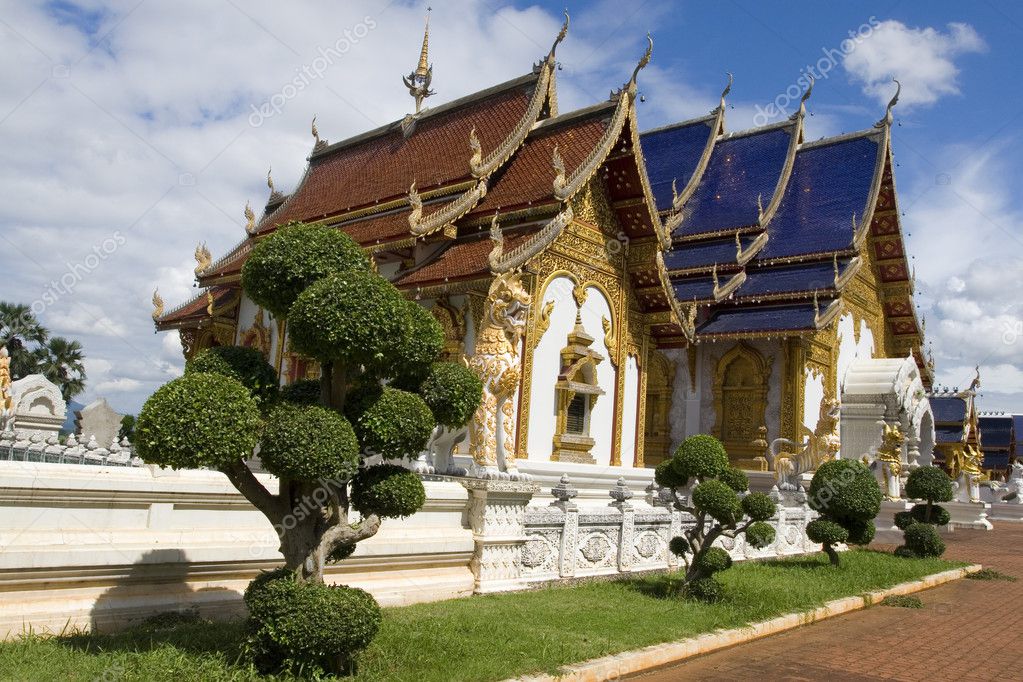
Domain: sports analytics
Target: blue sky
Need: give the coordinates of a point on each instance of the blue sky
(129, 134)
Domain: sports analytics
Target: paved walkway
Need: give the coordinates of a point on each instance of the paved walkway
(968, 630)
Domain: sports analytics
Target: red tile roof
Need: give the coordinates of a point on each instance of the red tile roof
(196, 308)
(461, 260)
(382, 165)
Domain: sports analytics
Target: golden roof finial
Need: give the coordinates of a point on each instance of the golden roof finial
(561, 36)
(418, 82)
(888, 118)
(270, 180)
(203, 258)
(424, 66)
(315, 132)
(644, 60)
(250, 219)
(157, 305)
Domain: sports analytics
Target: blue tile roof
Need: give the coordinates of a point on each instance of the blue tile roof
(704, 254)
(740, 170)
(829, 183)
(948, 409)
(694, 288)
(996, 460)
(807, 277)
(673, 153)
(995, 431)
(760, 319)
(1017, 425)
(948, 434)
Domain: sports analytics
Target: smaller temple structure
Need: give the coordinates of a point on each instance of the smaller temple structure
(999, 443)
(957, 428)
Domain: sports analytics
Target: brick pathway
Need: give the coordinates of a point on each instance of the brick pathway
(968, 630)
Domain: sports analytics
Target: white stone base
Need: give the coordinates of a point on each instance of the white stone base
(1006, 511)
(969, 515)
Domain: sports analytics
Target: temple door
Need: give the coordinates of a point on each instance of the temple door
(740, 403)
(657, 430)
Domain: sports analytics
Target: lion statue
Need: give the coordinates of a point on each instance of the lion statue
(821, 445)
(498, 365)
(1014, 486)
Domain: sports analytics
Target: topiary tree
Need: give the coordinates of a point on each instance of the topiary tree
(715, 503)
(316, 438)
(930, 484)
(846, 495)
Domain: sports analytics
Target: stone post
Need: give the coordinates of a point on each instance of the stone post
(620, 496)
(563, 493)
(497, 517)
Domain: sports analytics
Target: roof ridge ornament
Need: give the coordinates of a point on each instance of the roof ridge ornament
(724, 93)
(888, 118)
(158, 305)
(560, 180)
(203, 258)
(802, 100)
(476, 160)
(319, 144)
(643, 61)
(416, 202)
(561, 36)
(250, 219)
(418, 81)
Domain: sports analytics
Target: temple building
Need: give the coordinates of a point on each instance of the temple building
(646, 286)
(998, 432)
(957, 427)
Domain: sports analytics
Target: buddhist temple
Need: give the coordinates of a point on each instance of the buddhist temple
(957, 426)
(688, 279)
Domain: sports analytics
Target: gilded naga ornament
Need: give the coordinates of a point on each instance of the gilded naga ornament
(889, 457)
(499, 366)
(821, 445)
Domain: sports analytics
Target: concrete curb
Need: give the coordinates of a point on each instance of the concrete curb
(659, 655)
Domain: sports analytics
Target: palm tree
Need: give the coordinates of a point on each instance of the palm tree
(19, 328)
(61, 361)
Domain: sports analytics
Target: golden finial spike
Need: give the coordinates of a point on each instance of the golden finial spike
(643, 61)
(315, 132)
(888, 118)
(250, 219)
(424, 66)
(270, 180)
(728, 88)
(157, 305)
(809, 89)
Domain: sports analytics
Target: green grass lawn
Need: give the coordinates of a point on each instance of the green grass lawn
(484, 638)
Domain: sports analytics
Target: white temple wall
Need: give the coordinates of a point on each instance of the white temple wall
(593, 311)
(708, 358)
(849, 350)
(683, 400)
(630, 409)
(813, 396)
(546, 366)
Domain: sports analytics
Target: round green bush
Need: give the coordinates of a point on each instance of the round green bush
(308, 442)
(758, 506)
(826, 532)
(845, 489)
(736, 479)
(245, 365)
(452, 392)
(667, 476)
(939, 515)
(929, 483)
(353, 318)
(258, 603)
(412, 352)
(760, 534)
(705, 590)
(904, 520)
(700, 456)
(310, 626)
(718, 500)
(304, 392)
(389, 422)
(282, 265)
(341, 552)
(678, 546)
(388, 490)
(923, 540)
(861, 532)
(713, 560)
(198, 420)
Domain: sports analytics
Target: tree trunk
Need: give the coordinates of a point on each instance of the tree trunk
(832, 554)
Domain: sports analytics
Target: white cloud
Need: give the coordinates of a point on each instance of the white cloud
(922, 59)
(121, 385)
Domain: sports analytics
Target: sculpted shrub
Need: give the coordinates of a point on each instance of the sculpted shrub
(701, 462)
(919, 524)
(848, 499)
(316, 437)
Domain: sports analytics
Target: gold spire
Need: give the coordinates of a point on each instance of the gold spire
(424, 65)
(418, 82)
